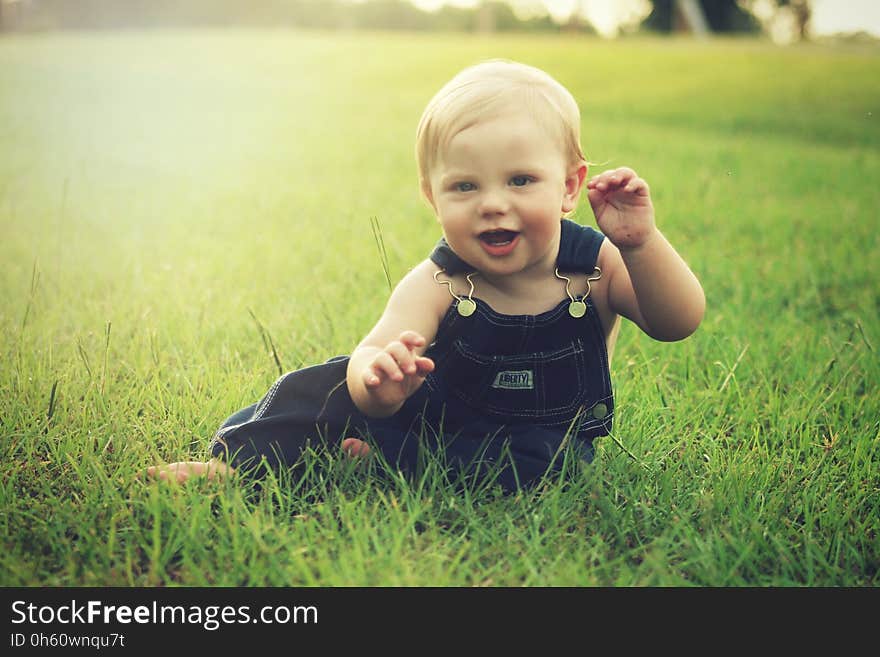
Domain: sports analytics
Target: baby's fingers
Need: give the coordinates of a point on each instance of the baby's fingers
(403, 356)
(371, 378)
(412, 340)
(382, 367)
(424, 366)
(614, 179)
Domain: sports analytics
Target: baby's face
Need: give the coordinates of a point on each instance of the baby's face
(499, 189)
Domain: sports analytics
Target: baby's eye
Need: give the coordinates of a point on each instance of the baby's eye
(465, 187)
(521, 181)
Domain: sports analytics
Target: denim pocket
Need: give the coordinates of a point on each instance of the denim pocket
(546, 387)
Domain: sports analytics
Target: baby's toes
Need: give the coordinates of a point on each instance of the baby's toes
(355, 448)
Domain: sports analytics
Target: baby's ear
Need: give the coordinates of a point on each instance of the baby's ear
(573, 185)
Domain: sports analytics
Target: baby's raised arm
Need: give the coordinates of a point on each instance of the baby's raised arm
(649, 283)
(388, 366)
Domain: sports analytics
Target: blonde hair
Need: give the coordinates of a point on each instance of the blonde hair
(487, 90)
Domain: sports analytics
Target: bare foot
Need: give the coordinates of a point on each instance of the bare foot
(355, 448)
(183, 470)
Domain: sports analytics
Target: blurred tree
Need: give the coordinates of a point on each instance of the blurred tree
(388, 14)
(802, 13)
(496, 16)
(488, 15)
(720, 16)
(11, 12)
(578, 22)
(798, 12)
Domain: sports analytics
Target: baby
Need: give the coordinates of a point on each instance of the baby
(495, 349)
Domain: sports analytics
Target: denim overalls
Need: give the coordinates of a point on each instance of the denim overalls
(505, 393)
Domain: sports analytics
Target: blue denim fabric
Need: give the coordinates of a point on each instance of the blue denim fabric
(506, 392)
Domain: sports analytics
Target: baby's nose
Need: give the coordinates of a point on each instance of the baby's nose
(493, 203)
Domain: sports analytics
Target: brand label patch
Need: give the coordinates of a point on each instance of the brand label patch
(517, 380)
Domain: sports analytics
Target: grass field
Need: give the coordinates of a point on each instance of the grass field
(170, 200)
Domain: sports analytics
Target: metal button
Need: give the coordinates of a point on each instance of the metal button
(600, 410)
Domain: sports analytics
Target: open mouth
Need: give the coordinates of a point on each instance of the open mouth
(499, 243)
(498, 237)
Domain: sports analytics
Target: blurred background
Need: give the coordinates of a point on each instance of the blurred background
(165, 163)
(785, 21)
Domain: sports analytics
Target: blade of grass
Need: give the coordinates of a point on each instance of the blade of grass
(380, 245)
(267, 341)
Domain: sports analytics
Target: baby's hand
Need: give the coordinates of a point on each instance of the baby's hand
(622, 204)
(397, 371)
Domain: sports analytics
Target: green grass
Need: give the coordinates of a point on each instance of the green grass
(165, 195)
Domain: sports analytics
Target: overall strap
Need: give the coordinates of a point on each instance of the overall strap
(578, 247)
(578, 251)
(444, 257)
